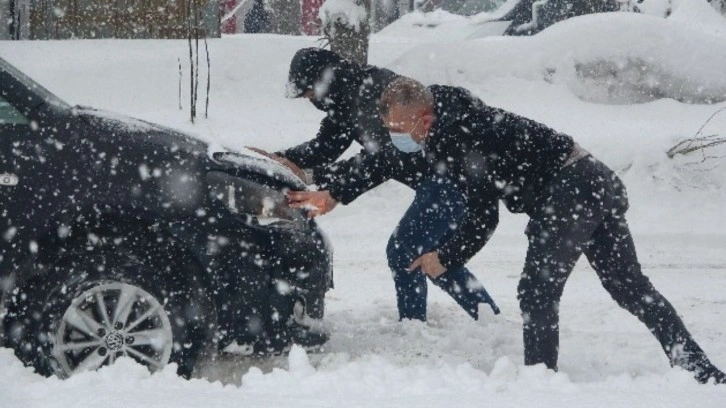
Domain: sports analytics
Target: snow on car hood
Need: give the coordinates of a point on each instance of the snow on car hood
(244, 159)
(152, 132)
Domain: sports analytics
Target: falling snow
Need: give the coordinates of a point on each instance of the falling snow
(608, 358)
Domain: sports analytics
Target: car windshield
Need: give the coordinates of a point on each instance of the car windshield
(45, 94)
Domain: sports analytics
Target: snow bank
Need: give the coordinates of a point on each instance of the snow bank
(608, 58)
(438, 25)
(444, 26)
(368, 382)
(605, 58)
(700, 15)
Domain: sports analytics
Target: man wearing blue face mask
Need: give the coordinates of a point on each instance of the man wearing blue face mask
(576, 205)
(348, 94)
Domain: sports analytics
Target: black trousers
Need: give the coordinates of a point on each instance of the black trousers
(583, 211)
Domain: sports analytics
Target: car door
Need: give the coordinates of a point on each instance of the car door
(14, 127)
(28, 180)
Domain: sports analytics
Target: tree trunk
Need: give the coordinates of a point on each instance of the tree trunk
(349, 40)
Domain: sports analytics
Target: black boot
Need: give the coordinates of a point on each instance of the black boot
(703, 370)
(541, 338)
(708, 373)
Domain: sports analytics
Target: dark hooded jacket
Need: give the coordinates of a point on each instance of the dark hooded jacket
(492, 155)
(350, 99)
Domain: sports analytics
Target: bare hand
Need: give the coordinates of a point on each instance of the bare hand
(285, 162)
(316, 202)
(429, 264)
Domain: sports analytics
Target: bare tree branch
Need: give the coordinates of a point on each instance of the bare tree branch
(180, 83)
(209, 76)
(196, 52)
(193, 111)
(696, 143)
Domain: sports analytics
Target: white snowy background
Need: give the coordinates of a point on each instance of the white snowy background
(608, 358)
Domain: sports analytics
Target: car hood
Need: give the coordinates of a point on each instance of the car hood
(137, 130)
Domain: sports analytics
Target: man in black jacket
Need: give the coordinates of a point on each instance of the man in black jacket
(348, 94)
(575, 203)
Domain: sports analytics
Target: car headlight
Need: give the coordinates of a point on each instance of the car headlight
(261, 204)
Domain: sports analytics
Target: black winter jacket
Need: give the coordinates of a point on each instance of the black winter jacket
(492, 155)
(352, 116)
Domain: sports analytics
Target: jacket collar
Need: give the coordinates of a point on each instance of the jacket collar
(451, 105)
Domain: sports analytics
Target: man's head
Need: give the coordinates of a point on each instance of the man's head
(323, 77)
(407, 106)
(308, 66)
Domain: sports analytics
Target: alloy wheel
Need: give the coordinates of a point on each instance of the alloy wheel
(109, 321)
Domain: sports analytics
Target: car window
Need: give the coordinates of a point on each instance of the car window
(36, 88)
(10, 115)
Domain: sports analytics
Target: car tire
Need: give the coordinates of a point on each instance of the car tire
(153, 313)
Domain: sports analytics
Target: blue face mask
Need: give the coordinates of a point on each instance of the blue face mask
(405, 143)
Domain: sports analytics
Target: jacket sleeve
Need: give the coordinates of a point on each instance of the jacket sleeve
(332, 140)
(350, 178)
(480, 221)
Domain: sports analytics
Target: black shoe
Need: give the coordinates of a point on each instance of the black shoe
(704, 375)
(308, 338)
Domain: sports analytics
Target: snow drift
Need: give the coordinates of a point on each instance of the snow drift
(617, 58)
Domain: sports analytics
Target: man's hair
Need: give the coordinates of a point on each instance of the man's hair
(404, 92)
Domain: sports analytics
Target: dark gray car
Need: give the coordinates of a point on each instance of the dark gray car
(119, 237)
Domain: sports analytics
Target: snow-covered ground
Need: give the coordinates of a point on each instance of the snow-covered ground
(607, 359)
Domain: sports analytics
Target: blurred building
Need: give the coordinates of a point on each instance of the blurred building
(64, 19)
(298, 16)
